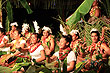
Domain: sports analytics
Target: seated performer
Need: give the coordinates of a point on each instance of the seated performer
(95, 12)
(47, 40)
(16, 47)
(98, 52)
(13, 29)
(76, 44)
(36, 49)
(25, 32)
(3, 40)
(63, 53)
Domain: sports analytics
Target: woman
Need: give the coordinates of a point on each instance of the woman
(47, 41)
(36, 49)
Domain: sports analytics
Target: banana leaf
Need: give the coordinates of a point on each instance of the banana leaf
(77, 70)
(26, 6)
(7, 27)
(9, 11)
(82, 10)
(5, 69)
(19, 65)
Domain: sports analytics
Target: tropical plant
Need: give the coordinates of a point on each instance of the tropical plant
(6, 5)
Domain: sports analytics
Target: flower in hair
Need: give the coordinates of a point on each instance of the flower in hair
(36, 26)
(47, 29)
(14, 24)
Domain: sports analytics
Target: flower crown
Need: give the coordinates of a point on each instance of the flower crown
(47, 28)
(15, 23)
(25, 27)
(1, 25)
(94, 29)
(74, 31)
(63, 30)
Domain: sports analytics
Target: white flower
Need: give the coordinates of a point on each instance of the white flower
(15, 23)
(47, 29)
(1, 25)
(36, 26)
(94, 29)
(25, 27)
(63, 30)
(74, 31)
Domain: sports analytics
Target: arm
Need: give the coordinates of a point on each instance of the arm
(71, 67)
(42, 57)
(52, 44)
(106, 48)
(51, 59)
(97, 12)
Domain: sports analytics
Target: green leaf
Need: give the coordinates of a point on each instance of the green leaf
(26, 6)
(80, 12)
(65, 66)
(5, 69)
(9, 11)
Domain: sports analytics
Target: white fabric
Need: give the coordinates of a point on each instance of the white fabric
(21, 42)
(5, 37)
(37, 53)
(71, 57)
(7, 49)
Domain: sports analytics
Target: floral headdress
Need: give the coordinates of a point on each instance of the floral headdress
(1, 25)
(36, 26)
(25, 27)
(63, 30)
(15, 23)
(94, 29)
(47, 28)
(74, 31)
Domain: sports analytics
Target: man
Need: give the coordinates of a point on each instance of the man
(98, 53)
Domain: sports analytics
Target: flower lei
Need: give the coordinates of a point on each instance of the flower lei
(34, 47)
(95, 49)
(76, 47)
(1, 38)
(92, 12)
(45, 41)
(63, 55)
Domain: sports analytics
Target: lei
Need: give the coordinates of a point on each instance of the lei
(14, 48)
(95, 50)
(63, 55)
(92, 12)
(76, 47)
(34, 47)
(1, 38)
(45, 41)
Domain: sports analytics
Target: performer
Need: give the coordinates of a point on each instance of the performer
(64, 52)
(77, 44)
(36, 49)
(25, 32)
(98, 52)
(13, 29)
(47, 40)
(3, 40)
(95, 12)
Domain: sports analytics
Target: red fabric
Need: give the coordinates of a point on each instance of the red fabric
(34, 48)
(1, 38)
(63, 56)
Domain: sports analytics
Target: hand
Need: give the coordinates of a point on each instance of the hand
(47, 51)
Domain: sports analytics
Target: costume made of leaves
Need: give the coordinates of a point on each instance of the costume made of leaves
(93, 10)
(46, 41)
